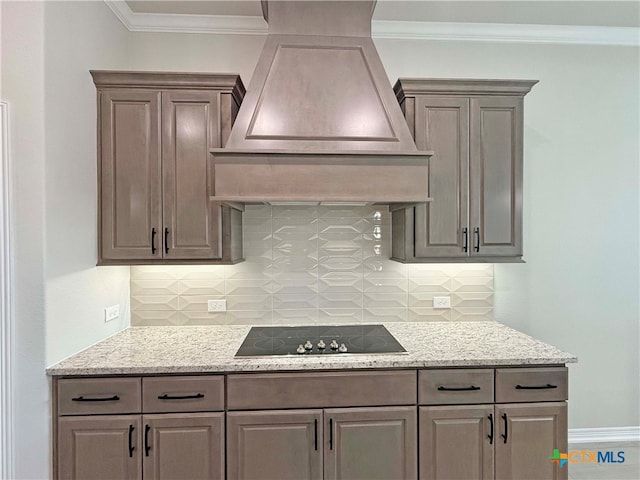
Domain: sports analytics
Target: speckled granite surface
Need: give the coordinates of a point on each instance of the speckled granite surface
(196, 349)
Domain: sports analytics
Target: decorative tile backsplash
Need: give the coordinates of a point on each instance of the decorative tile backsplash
(311, 264)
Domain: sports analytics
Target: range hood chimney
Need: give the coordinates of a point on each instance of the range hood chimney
(320, 121)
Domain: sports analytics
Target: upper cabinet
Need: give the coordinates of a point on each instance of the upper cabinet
(155, 131)
(475, 129)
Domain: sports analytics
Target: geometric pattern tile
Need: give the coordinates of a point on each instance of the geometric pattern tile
(310, 265)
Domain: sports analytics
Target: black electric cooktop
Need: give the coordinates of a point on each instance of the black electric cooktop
(318, 340)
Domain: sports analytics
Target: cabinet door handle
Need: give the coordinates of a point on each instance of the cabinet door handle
(180, 397)
(166, 240)
(465, 239)
(476, 239)
(490, 417)
(505, 435)
(131, 447)
(153, 241)
(331, 434)
(458, 389)
(315, 434)
(147, 428)
(535, 387)
(113, 398)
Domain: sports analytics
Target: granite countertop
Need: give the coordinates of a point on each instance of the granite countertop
(200, 349)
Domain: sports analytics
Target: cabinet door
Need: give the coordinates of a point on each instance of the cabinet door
(442, 125)
(192, 223)
(274, 445)
(532, 431)
(456, 443)
(496, 176)
(370, 443)
(184, 446)
(99, 448)
(130, 175)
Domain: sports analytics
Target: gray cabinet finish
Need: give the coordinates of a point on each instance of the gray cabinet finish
(475, 128)
(129, 174)
(533, 430)
(98, 448)
(155, 133)
(189, 130)
(274, 445)
(370, 443)
(189, 445)
(455, 443)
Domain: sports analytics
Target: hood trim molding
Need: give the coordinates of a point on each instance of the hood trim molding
(340, 176)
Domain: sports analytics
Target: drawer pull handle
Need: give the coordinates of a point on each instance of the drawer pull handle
(180, 397)
(458, 389)
(490, 417)
(153, 241)
(113, 398)
(505, 435)
(535, 387)
(131, 447)
(146, 440)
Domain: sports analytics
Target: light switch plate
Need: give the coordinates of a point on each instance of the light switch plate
(441, 302)
(111, 313)
(216, 306)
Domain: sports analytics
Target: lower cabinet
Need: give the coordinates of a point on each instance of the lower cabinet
(341, 443)
(501, 442)
(495, 439)
(184, 446)
(170, 446)
(99, 448)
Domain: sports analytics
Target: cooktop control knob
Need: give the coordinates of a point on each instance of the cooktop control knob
(333, 345)
(301, 349)
(308, 346)
(321, 345)
(342, 348)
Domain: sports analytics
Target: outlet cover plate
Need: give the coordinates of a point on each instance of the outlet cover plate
(111, 313)
(441, 302)
(216, 306)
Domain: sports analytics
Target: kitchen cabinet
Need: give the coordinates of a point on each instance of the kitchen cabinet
(500, 441)
(347, 424)
(475, 128)
(433, 424)
(155, 131)
(345, 443)
(274, 445)
(99, 448)
(93, 443)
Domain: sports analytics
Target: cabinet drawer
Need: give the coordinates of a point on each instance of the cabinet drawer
(531, 384)
(452, 386)
(86, 396)
(183, 394)
(320, 390)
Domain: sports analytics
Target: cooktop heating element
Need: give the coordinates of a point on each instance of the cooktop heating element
(318, 340)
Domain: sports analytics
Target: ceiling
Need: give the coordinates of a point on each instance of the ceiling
(587, 13)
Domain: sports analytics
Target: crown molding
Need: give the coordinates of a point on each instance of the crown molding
(476, 32)
(175, 23)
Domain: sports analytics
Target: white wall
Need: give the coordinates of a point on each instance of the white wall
(579, 288)
(47, 51)
(79, 36)
(581, 192)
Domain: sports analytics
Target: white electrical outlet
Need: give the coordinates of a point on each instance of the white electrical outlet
(441, 302)
(216, 305)
(111, 313)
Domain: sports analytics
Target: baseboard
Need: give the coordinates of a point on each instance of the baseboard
(613, 434)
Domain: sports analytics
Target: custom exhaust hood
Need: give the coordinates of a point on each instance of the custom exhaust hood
(320, 121)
